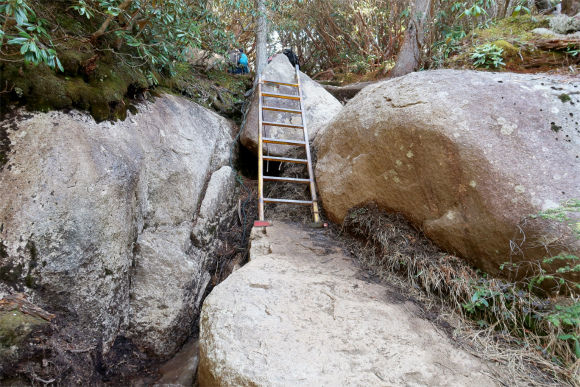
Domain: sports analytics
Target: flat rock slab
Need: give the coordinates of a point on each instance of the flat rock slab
(298, 315)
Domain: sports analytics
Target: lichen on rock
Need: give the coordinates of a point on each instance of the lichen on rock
(564, 24)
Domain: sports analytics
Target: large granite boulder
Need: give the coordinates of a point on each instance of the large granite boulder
(209, 60)
(171, 270)
(97, 220)
(464, 155)
(300, 314)
(319, 105)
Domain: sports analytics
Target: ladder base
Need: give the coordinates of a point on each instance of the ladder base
(318, 225)
(262, 223)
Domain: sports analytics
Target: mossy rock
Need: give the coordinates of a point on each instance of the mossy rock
(15, 327)
(518, 27)
(102, 82)
(74, 55)
(101, 92)
(514, 35)
(509, 50)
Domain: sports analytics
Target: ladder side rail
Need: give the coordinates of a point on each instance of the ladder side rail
(260, 155)
(308, 157)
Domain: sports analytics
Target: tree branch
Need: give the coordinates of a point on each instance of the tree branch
(108, 21)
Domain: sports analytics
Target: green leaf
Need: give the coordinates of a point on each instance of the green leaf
(567, 337)
(59, 65)
(30, 57)
(17, 41)
(20, 16)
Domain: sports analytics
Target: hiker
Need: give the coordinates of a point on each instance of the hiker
(234, 56)
(243, 62)
(233, 59)
(291, 56)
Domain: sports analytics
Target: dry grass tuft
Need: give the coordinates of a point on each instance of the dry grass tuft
(495, 319)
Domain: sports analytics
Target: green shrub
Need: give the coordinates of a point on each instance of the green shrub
(487, 55)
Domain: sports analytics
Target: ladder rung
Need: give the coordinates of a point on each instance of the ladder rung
(282, 141)
(287, 179)
(284, 125)
(278, 109)
(289, 201)
(285, 96)
(281, 83)
(285, 159)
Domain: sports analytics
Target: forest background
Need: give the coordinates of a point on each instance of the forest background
(345, 36)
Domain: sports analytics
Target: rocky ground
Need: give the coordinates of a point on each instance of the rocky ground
(302, 313)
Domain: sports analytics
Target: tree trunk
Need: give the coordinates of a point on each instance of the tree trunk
(261, 38)
(409, 57)
(543, 5)
(505, 8)
(570, 7)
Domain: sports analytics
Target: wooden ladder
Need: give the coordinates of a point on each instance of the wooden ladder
(268, 140)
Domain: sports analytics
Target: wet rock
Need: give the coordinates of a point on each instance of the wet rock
(181, 369)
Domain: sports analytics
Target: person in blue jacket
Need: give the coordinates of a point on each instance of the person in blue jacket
(243, 63)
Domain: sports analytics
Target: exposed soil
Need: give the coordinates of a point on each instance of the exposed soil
(62, 354)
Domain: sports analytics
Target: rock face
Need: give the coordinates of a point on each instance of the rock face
(546, 33)
(96, 220)
(162, 310)
(464, 155)
(563, 24)
(207, 59)
(296, 315)
(320, 107)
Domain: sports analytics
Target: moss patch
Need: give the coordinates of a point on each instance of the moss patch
(15, 327)
(107, 88)
(104, 82)
(564, 97)
(518, 28)
(509, 50)
(214, 89)
(91, 82)
(521, 52)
